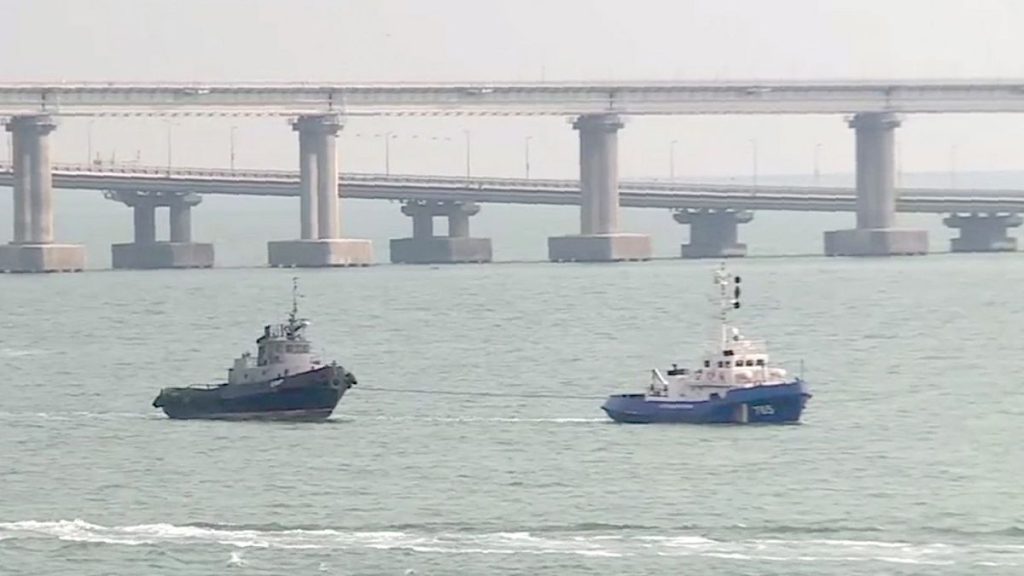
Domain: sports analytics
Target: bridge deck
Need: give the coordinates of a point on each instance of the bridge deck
(548, 98)
(634, 193)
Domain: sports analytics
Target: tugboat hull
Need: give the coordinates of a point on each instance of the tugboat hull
(308, 396)
(767, 404)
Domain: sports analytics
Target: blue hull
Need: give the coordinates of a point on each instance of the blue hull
(772, 404)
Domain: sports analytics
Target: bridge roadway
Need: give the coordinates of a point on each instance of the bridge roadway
(666, 194)
(545, 98)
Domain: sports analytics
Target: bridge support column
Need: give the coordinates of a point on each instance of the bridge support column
(144, 213)
(33, 248)
(599, 239)
(713, 233)
(146, 253)
(983, 232)
(321, 244)
(875, 234)
(425, 248)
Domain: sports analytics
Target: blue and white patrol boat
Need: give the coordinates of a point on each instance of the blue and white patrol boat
(735, 383)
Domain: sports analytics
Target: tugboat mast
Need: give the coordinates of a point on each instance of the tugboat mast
(295, 301)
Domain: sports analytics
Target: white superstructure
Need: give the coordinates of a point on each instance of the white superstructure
(733, 360)
(282, 350)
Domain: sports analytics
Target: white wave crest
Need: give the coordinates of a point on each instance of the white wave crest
(602, 544)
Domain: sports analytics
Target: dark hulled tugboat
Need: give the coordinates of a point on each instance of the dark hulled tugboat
(286, 382)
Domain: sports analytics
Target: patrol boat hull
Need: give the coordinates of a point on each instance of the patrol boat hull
(768, 404)
(307, 396)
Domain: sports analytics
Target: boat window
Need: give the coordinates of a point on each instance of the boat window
(707, 363)
(719, 363)
(760, 362)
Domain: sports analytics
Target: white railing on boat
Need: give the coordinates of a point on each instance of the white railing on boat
(748, 346)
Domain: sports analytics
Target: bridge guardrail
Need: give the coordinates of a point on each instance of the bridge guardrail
(649, 193)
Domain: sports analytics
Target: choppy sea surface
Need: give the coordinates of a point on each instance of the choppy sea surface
(908, 461)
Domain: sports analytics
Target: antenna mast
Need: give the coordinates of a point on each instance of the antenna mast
(295, 299)
(725, 302)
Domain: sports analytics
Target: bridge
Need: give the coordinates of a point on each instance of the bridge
(636, 193)
(514, 99)
(713, 210)
(598, 109)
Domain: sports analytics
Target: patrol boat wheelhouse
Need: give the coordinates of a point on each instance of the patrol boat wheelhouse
(736, 382)
(286, 381)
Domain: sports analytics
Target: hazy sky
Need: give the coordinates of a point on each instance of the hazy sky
(451, 40)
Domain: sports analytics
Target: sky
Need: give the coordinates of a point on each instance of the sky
(473, 40)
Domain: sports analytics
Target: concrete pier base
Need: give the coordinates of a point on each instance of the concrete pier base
(876, 242)
(599, 248)
(713, 233)
(155, 255)
(983, 232)
(323, 253)
(440, 250)
(426, 248)
(42, 258)
(696, 251)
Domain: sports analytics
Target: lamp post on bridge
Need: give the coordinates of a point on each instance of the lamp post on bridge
(817, 171)
(170, 146)
(753, 148)
(88, 143)
(233, 128)
(952, 166)
(672, 159)
(528, 138)
(468, 157)
(387, 153)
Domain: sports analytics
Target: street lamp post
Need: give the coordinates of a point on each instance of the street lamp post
(753, 147)
(233, 128)
(672, 159)
(817, 170)
(170, 148)
(528, 138)
(88, 143)
(952, 166)
(468, 157)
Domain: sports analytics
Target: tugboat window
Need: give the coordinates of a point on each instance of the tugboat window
(707, 363)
